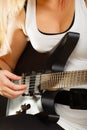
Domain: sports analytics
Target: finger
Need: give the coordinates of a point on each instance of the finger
(16, 87)
(11, 75)
(7, 92)
(12, 85)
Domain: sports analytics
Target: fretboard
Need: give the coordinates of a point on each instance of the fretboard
(63, 79)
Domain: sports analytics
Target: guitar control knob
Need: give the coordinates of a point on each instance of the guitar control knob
(23, 109)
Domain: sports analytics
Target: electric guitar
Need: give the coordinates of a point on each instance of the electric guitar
(38, 82)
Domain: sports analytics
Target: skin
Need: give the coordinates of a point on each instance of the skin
(57, 20)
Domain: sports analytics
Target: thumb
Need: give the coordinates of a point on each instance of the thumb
(12, 76)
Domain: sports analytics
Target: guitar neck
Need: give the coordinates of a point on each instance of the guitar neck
(68, 79)
(53, 81)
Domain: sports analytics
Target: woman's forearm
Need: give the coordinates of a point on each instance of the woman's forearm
(4, 65)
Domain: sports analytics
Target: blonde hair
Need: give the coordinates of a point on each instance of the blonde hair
(8, 8)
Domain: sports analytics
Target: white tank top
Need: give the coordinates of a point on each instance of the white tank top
(69, 119)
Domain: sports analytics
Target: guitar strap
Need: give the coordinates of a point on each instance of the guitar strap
(60, 55)
(56, 62)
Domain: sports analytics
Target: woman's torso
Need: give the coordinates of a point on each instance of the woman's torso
(43, 42)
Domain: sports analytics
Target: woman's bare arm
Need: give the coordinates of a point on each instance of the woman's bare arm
(8, 62)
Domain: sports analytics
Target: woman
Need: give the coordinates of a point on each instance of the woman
(43, 23)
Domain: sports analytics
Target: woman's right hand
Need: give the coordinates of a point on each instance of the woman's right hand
(7, 87)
